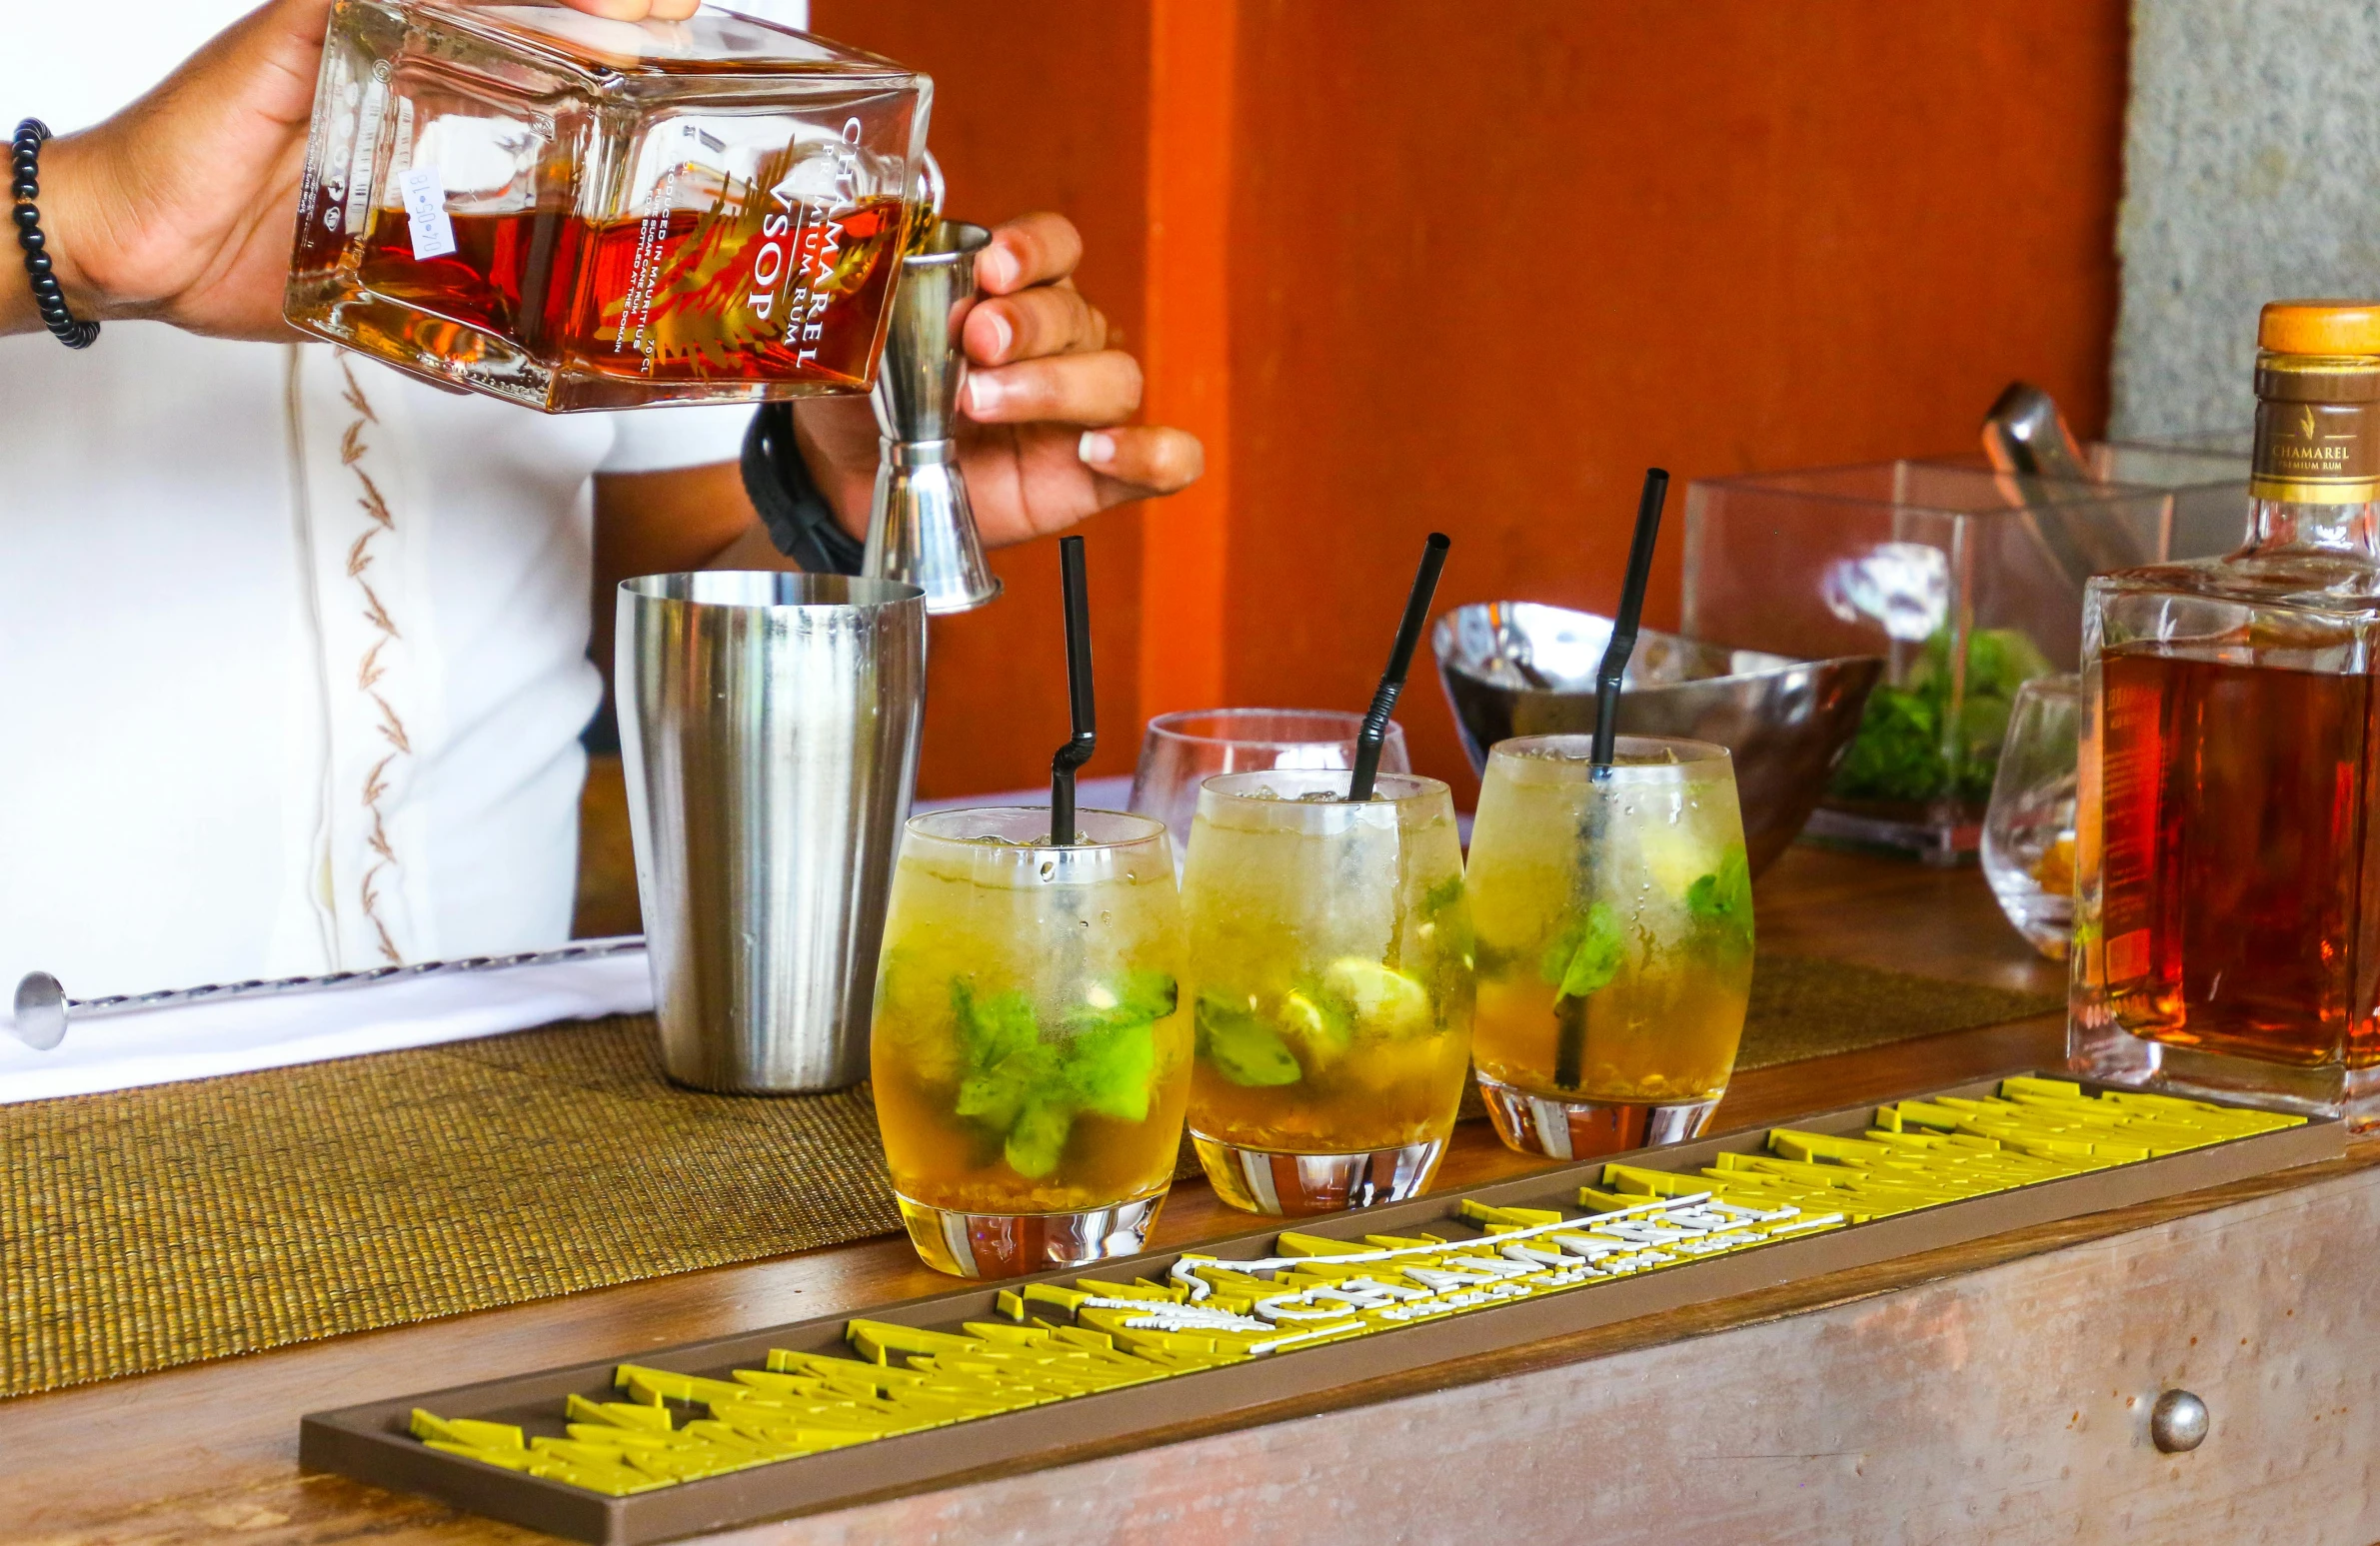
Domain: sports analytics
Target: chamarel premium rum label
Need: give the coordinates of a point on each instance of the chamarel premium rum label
(576, 213)
(2317, 432)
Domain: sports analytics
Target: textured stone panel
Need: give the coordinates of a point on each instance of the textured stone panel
(2252, 172)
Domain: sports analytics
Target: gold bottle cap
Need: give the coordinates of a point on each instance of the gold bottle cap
(2320, 328)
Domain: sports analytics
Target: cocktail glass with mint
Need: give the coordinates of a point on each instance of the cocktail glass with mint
(1614, 916)
(1031, 1048)
(1329, 981)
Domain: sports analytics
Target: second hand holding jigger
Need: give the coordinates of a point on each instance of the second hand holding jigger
(920, 527)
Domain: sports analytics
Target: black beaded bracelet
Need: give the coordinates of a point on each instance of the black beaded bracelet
(25, 184)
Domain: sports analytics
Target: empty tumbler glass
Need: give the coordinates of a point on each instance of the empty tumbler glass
(1185, 750)
(2028, 829)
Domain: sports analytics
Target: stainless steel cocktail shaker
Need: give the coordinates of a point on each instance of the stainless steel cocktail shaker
(769, 724)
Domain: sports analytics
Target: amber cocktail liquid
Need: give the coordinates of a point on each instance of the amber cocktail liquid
(1329, 973)
(1029, 1054)
(577, 213)
(2227, 910)
(1615, 919)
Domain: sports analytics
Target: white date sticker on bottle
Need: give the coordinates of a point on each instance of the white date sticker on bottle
(425, 212)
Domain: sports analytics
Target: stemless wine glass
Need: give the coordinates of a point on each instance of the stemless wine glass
(1330, 972)
(1614, 918)
(1182, 750)
(2028, 828)
(1030, 1062)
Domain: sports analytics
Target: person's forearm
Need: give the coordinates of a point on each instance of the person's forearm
(837, 440)
(63, 165)
(664, 522)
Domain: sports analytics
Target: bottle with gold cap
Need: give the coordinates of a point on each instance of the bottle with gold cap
(2227, 887)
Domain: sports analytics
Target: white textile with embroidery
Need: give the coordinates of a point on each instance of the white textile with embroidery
(294, 652)
(291, 667)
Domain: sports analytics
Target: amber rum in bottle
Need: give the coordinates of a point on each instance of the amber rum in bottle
(2227, 924)
(570, 212)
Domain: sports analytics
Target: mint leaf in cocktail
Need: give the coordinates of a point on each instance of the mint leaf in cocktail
(991, 1031)
(1241, 1047)
(1721, 902)
(1134, 999)
(1027, 1089)
(1586, 955)
(1150, 995)
(1110, 1070)
(1007, 1063)
(1037, 1138)
(1109, 1060)
(1556, 961)
(1724, 893)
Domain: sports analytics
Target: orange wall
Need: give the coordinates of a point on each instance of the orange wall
(1479, 265)
(1039, 105)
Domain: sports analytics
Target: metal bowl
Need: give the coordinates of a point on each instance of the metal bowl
(1519, 669)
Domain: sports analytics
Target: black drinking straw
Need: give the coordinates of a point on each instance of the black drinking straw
(1569, 1014)
(1631, 608)
(1374, 733)
(1081, 704)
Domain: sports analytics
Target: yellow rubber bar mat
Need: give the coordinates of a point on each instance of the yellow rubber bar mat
(602, 1461)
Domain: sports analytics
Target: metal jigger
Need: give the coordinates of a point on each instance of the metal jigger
(920, 527)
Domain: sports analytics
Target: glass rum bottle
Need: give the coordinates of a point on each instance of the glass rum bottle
(573, 212)
(2227, 887)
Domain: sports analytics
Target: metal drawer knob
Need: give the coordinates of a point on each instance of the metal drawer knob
(2177, 1423)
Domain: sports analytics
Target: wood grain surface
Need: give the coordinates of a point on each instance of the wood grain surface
(1909, 1400)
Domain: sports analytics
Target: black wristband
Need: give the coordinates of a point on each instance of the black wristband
(800, 521)
(25, 185)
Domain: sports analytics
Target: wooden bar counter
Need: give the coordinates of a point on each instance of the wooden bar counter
(1997, 1391)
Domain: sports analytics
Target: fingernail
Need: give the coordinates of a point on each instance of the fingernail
(984, 394)
(1003, 335)
(996, 268)
(1097, 448)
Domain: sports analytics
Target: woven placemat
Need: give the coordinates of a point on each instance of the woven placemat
(163, 1226)
(1804, 1008)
